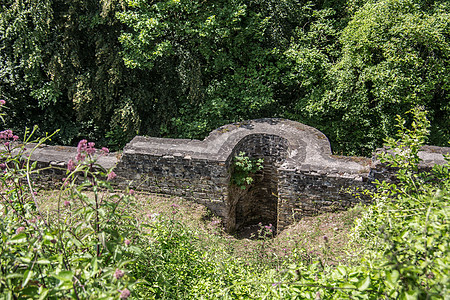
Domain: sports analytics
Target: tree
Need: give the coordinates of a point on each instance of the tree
(60, 68)
(395, 56)
(228, 56)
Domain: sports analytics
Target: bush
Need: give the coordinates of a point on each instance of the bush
(82, 249)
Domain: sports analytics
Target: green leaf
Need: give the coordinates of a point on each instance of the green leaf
(392, 277)
(14, 275)
(410, 295)
(26, 277)
(348, 286)
(43, 261)
(342, 270)
(64, 276)
(18, 238)
(364, 284)
(43, 293)
(94, 264)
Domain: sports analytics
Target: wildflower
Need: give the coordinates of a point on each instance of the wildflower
(2, 166)
(118, 274)
(127, 242)
(66, 203)
(80, 157)
(81, 146)
(131, 192)
(20, 229)
(35, 193)
(105, 150)
(2, 102)
(71, 165)
(124, 294)
(111, 175)
(90, 150)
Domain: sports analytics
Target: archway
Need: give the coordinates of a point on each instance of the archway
(257, 202)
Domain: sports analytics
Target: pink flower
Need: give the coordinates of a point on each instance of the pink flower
(2, 102)
(65, 181)
(111, 175)
(127, 242)
(90, 150)
(118, 274)
(20, 229)
(125, 294)
(71, 165)
(131, 192)
(80, 157)
(15, 137)
(105, 150)
(66, 203)
(81, 145)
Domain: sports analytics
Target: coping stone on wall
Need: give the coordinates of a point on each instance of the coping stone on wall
(60, 155)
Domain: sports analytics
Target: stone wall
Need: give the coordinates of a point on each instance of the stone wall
(300, 177)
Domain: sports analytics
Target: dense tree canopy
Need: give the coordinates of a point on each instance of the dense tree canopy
(109, 69)
(395, 55)
(61, 69)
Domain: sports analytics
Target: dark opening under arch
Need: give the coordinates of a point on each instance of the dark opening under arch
(258, 202)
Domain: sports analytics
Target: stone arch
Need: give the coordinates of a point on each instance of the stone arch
(258, 202)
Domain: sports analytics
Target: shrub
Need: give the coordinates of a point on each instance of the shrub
(81, 250)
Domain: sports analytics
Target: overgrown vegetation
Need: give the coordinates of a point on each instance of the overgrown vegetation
(109, 69)
(94, 245)
(242, 169)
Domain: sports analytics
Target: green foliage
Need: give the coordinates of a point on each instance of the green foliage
(407, 227)
(228, 56)
(82, 249)
(172, 262)
(395, 56)
(242, 169)
(60, 68)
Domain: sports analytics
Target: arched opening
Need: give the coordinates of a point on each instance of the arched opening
(256, 204)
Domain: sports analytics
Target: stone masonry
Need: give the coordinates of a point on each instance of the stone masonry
(300, 176)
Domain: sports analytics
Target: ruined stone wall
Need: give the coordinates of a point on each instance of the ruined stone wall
(300, 177)
(202, 180)
(307, 193)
